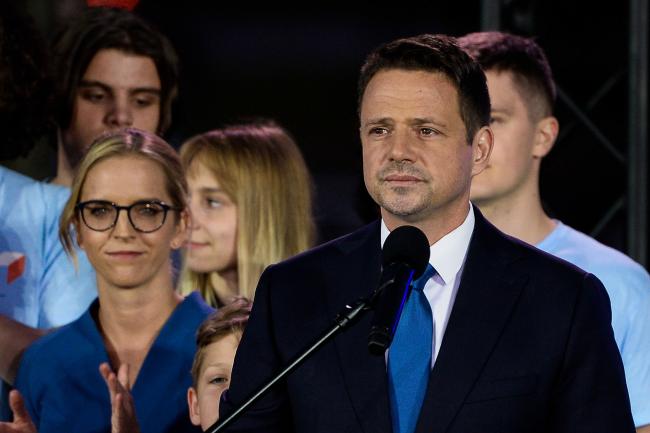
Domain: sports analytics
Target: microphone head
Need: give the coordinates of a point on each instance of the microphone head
(407, 245)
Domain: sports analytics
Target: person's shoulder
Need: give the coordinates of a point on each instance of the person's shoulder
(335, 249)
(43, 357)
(315, 266)
(594, 252)
(544, 276)
(548, 281)
(180, 328)
(42, 367)
(33, 193)
(610, 265)
(194, 304)
(521, 255)
(51, 343)
(54, 196)
(12, 179)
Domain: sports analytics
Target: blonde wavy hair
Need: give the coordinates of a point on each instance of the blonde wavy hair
(130, 141)
(260, 168)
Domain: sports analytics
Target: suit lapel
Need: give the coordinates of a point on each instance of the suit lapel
(364, 375)
(486, 297)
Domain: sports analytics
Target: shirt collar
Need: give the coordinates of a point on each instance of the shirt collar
(448, 254)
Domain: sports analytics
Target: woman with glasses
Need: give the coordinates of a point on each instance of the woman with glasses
(250, 204)
(127, 211)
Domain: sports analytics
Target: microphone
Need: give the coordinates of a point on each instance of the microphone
(404, 258)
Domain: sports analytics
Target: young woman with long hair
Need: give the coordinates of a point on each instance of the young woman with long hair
(251, 207)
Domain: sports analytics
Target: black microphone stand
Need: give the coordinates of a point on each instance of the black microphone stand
(343, 319)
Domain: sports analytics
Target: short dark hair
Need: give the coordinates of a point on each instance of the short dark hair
(25, 86)
(522, 57)
(100, 28)
(435, 53)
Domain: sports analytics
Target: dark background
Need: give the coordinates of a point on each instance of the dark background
(300, 67)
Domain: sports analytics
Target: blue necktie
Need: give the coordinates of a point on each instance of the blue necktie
(409, 358)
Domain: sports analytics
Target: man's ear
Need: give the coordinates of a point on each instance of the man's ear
(481, 149)
(193, 405)
(545, 136)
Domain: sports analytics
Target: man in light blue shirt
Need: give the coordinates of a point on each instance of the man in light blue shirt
(522, 93)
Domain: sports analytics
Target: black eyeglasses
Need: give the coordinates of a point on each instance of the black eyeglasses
(145, 216)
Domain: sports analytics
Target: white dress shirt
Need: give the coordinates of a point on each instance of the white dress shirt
(447, 256)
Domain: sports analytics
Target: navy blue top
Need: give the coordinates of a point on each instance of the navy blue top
(64, 391)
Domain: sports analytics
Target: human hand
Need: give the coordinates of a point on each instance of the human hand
(22, 421)
(123, 419)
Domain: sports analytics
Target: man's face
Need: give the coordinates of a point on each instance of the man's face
(416, 159)
(117, 90)
(513, 162)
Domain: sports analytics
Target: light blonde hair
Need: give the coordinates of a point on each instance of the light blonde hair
(128, 141)
(260, 168)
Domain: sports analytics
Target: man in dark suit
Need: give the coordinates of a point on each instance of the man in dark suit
(517, 341)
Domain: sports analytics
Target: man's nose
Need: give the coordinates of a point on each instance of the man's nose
(401, 148)
(120, 114)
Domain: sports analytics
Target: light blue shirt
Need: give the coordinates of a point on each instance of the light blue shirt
(39, 286)
(38, 283)
(628, 286)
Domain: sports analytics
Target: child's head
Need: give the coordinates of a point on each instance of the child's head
(216, 343)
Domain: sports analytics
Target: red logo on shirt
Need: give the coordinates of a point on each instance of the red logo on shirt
(15, 264)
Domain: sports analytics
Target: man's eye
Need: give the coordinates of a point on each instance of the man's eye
(93, 96)
(145, 101)
(378, 131)
(428, 132)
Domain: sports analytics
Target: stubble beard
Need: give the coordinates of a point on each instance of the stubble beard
(404, 202)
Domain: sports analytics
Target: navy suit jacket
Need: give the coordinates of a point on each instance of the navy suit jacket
(528, 346)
